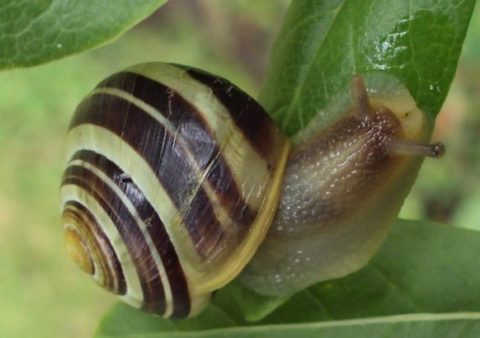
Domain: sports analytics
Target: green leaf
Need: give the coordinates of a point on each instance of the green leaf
(322, 43)
(35, 32)
(421, 325)
(422, 268)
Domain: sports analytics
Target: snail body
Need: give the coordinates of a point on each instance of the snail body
(174, 178)
(342, 190)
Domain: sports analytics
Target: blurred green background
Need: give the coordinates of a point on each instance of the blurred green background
(42, 294)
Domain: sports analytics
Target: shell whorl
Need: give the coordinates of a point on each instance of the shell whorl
(172, 181)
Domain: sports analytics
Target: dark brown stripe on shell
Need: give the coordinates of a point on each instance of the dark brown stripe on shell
(104, 249)
(249, 116)
(155, 227)
(132, 236)
(174, 171)
(189, 122)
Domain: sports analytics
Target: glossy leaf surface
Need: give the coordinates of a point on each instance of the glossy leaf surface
(35, 32)
(323, 43)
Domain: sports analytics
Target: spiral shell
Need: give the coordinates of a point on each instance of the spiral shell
(172, 181)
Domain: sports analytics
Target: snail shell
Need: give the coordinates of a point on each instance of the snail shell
(159, 202)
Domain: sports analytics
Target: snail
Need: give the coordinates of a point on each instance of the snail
(177, 182)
